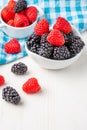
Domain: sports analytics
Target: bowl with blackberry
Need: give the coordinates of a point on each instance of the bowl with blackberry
(18, 19)
(56, 47)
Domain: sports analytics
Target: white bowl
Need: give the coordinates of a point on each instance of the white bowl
(20, 32)
(55, 64)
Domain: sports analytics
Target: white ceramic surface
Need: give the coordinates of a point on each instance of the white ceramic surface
(18, 32)
(55, 64)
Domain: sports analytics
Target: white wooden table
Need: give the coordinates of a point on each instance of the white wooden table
(62, 104)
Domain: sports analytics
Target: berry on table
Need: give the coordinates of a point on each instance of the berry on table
(9, 94)
(31, 86)
(12, 47)
(19, 68)
(2, 80)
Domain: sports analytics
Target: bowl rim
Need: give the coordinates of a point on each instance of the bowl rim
(32, 53)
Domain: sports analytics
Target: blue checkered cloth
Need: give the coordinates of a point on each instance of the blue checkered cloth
(75, 11)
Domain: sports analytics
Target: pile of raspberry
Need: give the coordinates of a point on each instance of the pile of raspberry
(17, 14)
(58, 43)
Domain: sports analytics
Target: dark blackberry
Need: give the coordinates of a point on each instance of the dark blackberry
(43, 38)
(76, 47)
(67, 36)
(74, 39)
(19, 68)
(45, 50)
(61, 53)
(33, 43)
(9, 94)
(20, 5)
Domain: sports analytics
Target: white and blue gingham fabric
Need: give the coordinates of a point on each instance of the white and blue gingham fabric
(75, 11)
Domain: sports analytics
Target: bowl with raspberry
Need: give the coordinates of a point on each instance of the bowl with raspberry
(56, 47)
(18, 19)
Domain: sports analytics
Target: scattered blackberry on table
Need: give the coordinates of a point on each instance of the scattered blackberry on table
(20, 5)
(33, 43)
(61, 53)
(76, 47)
(9, 94)
(45, 50)
(19, 68)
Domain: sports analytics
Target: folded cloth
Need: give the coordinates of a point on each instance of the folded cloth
(75, 11)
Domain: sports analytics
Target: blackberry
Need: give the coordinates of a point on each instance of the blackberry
(9, 94)
(61, 53)
(74, 39)
(76, 47)
(19, 68)
(33, 43)
(20, 5)
(67, 36)
(43, 38)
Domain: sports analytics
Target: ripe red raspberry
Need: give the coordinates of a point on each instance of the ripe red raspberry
(12, 47)
(11, 22)
(41, 27)
(20, 20)
(31, 86)
(2, 80)
(55, 38)
(63, 25)
(31, 13)
(11, 4)
(7, 14)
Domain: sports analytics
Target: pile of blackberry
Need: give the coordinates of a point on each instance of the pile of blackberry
(39, 45)
(9, 94)
(20, 5)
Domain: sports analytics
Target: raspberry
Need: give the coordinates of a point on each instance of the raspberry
(61, 53)
(20, 20)
(11, 4)
(31, 13)
(63, 25)
(2, 80)
(55, 38)
(19, 68)
(41, 27)
(11, 22)
(9, 94)
(12, 47)
(7, 14)
(20, 5)
(31, 86)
